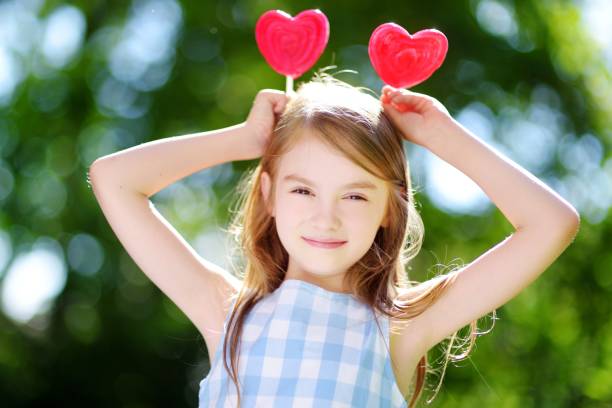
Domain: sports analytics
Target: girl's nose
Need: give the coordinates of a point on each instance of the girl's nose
(327, 216)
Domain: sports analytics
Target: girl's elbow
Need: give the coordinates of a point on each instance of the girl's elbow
(95, 170)
(574, 220)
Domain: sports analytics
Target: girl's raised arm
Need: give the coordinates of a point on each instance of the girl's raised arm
(123, 182)
(545, 223)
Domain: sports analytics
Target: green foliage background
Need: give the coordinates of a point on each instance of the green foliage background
(111, 338)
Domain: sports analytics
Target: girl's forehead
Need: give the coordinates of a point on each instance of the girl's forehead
(309, 151)
(342, 175)
(358, 182)
(313, 160)
(320, 165)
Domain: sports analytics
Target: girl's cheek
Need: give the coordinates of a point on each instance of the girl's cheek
(295, 202)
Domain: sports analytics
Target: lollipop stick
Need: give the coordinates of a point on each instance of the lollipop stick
(289, 85)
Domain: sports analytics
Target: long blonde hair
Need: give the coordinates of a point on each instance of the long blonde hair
(352, 122)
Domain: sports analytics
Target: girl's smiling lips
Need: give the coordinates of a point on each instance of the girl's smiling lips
(324, 243)
(326, 240)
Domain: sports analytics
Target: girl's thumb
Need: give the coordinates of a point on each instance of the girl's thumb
(280, 102)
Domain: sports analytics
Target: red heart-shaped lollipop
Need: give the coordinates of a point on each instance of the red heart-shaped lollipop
(403, 60)
(291, 45)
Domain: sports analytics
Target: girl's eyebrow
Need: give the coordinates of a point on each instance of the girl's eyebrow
(356, 184)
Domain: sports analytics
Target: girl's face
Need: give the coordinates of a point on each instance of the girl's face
(314, 198)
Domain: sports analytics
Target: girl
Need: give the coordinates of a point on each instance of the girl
(323, 312)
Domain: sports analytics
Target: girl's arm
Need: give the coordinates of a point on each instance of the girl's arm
(123, 182)
(545, 223)
(150, 167)
(523, 199)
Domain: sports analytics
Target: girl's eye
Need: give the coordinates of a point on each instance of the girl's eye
(352, 195)
(299, 189)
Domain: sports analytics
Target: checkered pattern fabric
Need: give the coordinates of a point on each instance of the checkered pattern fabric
(305, 346)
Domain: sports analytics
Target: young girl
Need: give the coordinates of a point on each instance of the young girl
(324, 312)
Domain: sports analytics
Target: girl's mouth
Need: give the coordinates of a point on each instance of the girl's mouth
(324, 244)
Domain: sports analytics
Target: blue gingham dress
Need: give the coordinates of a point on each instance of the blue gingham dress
(305, 346)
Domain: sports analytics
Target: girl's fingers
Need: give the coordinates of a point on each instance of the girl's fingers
(402, 95)
(398, 101)
(387, 92)
(390, 94)
(402, 100)
(388, 88)
(278, 100)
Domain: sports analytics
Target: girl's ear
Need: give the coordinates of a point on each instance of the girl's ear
(266, 184)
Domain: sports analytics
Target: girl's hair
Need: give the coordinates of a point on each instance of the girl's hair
(353, 123)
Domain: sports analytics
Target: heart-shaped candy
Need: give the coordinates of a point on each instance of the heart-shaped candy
(403, 60)
(291, 45)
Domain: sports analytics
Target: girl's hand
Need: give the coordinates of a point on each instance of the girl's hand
(267, 108)
(419, 117)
